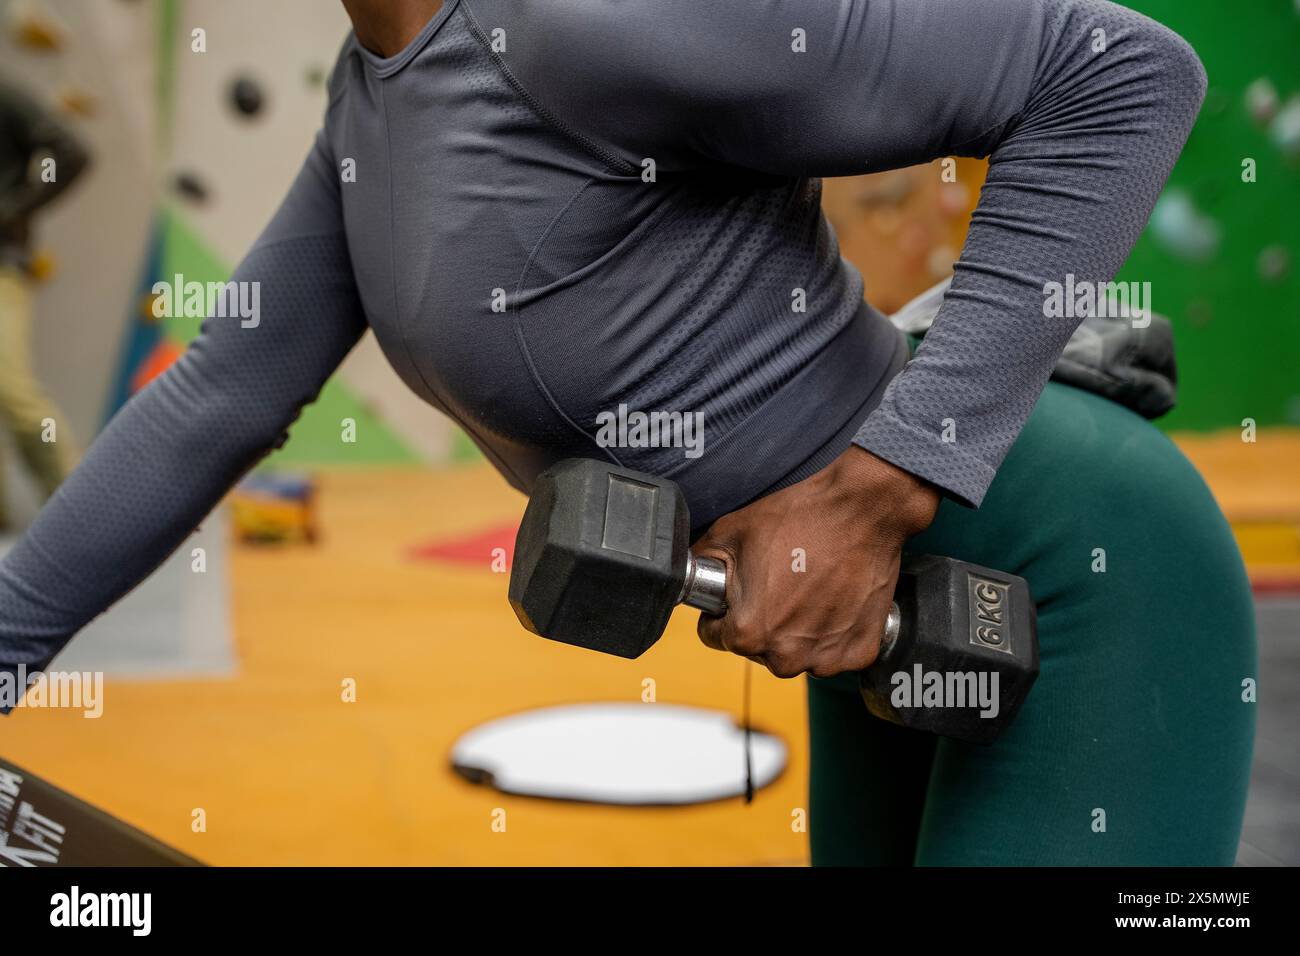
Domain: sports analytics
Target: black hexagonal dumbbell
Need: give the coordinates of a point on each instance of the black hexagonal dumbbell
(603, 557)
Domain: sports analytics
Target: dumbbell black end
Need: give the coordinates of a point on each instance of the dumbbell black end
(977, 660)
(601, 557)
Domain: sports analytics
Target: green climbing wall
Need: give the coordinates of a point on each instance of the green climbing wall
(1236, 310)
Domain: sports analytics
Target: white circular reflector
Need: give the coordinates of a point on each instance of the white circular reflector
(627, 754)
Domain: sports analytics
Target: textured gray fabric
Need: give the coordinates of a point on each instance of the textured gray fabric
(1072, 179)
(504, 150)
(1082, 107)
(1127, 362)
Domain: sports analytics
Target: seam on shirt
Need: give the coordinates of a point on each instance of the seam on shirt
(272, 243)
(518, 319)
(1014, 118)
(392, 244)
(614, 162)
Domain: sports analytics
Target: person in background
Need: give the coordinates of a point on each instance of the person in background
(39, 159)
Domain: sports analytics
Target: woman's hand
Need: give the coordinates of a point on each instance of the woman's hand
(811, 569)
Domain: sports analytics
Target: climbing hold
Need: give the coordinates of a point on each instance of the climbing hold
(1293, 409)
(78, 101)
(1199, 313)
(1182, 229)
(914, 242)
(885, 220)
(1274, 263)
(34, 28)
(953, 200)
(887, 189)
(1262, 100)
(190, 187)
(147, 311)
(940, 260)
(246, 96)
(163, 355)
(41, 266)
(275, 507)
(1285, 128)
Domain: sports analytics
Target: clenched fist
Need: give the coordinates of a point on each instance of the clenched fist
(811, 569)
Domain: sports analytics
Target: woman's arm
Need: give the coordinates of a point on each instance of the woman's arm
(1081, 105)
(169, 456)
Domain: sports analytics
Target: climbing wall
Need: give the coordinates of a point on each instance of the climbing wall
(239, 113)
(92, 64)
(244, 160)
(1223, 254)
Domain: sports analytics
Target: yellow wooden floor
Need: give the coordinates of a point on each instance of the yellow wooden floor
(289, 774)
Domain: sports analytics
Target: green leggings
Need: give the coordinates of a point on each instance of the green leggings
(1134, 746)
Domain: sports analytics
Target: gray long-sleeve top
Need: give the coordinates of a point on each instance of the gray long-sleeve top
(546, 209)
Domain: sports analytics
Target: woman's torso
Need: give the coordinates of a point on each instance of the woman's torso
(542, 291)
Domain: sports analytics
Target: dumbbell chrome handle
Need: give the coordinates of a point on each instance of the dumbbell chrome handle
(705, 589)
(705, 586)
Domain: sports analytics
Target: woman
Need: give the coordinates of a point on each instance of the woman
(547, 209)
(27, 132)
